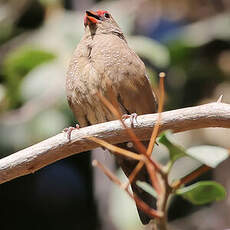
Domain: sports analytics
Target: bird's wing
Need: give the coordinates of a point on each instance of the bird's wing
(114, 60)
(137, 96)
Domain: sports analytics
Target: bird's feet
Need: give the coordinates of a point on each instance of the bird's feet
(69, 130)
(132, 117)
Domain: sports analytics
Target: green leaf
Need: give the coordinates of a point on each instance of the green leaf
(175, 151)
(211, 156)
(22, 60)
(17, 65)
(203, 192)
(147, 188)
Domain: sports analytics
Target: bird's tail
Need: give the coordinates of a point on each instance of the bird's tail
(128, 165)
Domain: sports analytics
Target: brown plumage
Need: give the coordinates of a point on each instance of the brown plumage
(103, 56)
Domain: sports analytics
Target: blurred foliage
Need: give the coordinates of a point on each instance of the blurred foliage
(194, 72)
(49, 2)
(6, 32)
(23, 60)
(17, 65)
(151, 50)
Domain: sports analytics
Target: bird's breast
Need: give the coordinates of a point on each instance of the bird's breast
(102, 64)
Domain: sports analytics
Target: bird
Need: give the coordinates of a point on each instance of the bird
(103, 62)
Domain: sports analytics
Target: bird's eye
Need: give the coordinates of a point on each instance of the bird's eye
(106, 15)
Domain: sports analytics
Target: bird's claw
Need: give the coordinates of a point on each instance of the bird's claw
(69, 130)
(132, 117)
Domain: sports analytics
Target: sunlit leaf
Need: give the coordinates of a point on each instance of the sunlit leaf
(182, 168)
(208, 155)
(202, 192)
(211, 156)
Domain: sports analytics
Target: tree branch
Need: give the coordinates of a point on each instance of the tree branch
(58, 147)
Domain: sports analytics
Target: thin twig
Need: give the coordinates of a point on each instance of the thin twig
(160, 110)
(152, 173)
(141, 204)
(113, 107)
(117, 150)
(190, 177)
(220, 99)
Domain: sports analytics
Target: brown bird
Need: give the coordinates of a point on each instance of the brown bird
(103, 56)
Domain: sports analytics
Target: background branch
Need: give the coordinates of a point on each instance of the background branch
(58, 147)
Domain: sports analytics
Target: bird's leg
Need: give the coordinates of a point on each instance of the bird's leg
(132, 117)
(69, 130)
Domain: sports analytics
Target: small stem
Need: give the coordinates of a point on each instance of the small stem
(175, 185)
(161, 223)
(117, 150)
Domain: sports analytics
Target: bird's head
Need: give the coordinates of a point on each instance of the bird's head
(100, 21)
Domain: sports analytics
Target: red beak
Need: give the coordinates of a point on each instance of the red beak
(91, 17)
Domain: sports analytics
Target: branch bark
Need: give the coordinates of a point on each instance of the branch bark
(58, 147)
